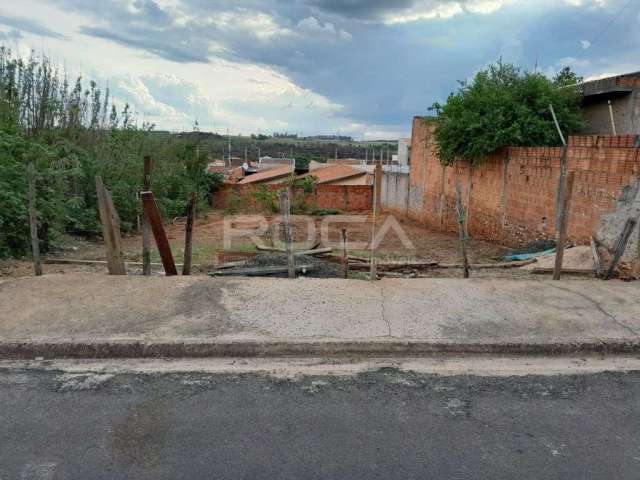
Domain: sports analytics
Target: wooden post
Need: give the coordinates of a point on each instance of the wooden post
(285, 206)
(377, 186)
(555, 120)
(345, 254)
(613, 122)
(33, 219)
(188, 236)
(467, 210)
(564, 197)
(562, 186)
(621, 245)
(146, 234)
(461, 229)
(597, 260)
(162, 242)
(110, 230)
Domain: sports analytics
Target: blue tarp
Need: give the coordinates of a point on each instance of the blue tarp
(527, 256)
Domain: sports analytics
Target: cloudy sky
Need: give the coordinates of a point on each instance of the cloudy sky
(354, 67)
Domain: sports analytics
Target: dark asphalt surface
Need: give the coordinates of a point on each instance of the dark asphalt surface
(386, 425)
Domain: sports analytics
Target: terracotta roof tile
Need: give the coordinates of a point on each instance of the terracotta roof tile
(333, 173)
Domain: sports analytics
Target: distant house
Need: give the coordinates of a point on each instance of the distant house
(269, 176)
(340, 175)
(266, 163)
(623, 91)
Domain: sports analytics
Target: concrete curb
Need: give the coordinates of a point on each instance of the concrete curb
(299, 348)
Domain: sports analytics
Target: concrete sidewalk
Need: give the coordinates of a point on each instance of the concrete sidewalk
(100, 316)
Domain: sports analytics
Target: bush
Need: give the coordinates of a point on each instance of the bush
(72, 135)
(501, 107)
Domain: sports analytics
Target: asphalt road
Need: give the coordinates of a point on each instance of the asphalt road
(386, 425)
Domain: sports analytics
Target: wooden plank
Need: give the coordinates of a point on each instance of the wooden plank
(260, 271)
(315, 251)
(188, 236)
(345, 254)
(146, 234)
(461, 230)
(285, 207)
(33, 219)
(110, 230)
(162, 242)
(597, 260)
(621, 245)
(564, 198)
(573, 271)
(224, 266)
(514, 264)
(74, 261)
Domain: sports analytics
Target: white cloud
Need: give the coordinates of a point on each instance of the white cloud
(573, 62)
(137, 93)
(258, 24)
(586, 3)
(585, 44)
(432, 10)
(312, 26)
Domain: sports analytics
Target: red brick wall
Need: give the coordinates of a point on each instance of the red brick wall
(513, 193)
(352, 198)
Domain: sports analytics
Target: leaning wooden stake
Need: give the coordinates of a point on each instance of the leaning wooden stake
(188, 236)
(562, 200)
(345, 254)
(162, 242)
(564, 197)
(461, 229)
(110, 230)
(33, 220)
(621, 245)
(146, 234)
(285, 203)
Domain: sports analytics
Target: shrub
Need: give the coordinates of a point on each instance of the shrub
(503, 106)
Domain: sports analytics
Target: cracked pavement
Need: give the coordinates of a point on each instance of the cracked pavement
(106, 308)
(374, 425)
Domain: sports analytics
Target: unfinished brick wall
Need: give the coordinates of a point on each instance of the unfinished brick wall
(513, 193)
(351, 198)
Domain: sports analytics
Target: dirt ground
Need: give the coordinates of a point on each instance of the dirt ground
(426, 244)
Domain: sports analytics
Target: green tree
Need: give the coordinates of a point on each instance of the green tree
(566, 77)
(503, 106)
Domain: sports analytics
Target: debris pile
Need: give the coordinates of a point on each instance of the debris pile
(274, 264)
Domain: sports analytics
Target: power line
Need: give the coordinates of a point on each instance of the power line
(609, 23)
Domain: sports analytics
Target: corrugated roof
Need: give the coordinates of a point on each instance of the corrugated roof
(333, 173)
(267, 175)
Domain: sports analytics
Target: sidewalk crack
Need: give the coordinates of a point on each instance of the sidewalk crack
(382, 312)
(598, 306)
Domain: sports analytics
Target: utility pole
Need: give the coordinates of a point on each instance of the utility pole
(229, 146)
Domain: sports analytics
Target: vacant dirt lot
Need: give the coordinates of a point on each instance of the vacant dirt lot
(209, 241)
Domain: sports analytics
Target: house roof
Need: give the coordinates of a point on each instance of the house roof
(333, 173)
(621, 84)
(266, 175)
